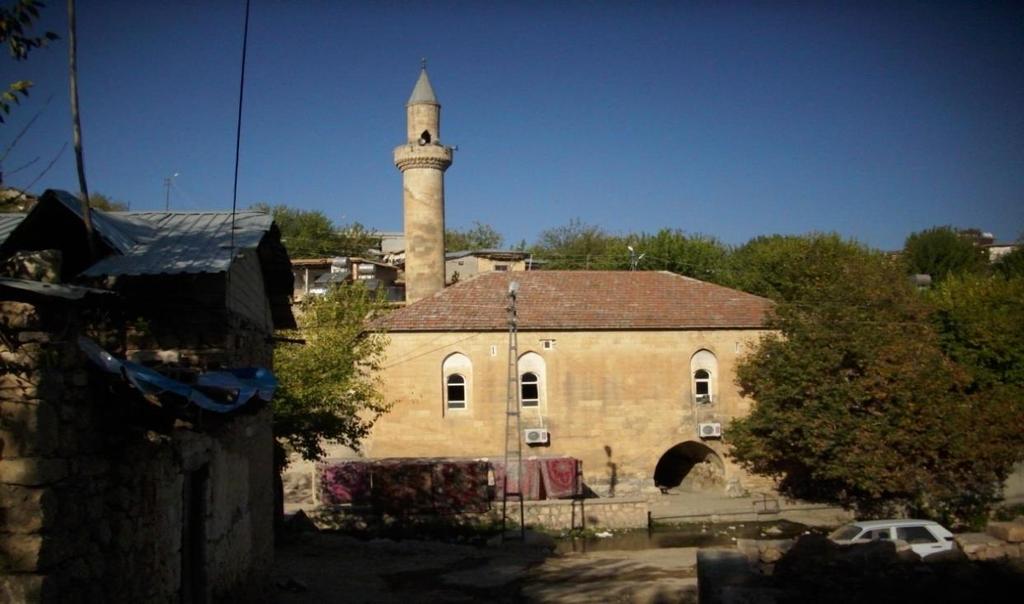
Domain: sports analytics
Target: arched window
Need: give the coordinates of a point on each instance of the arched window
(532, 380)
(456, 391)
(702, 384)
(703, 369)
(457, 381)
(529, 387)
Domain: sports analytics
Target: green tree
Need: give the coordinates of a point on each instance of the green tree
(16, 21)
(328, 387)
(857, 405)
(942, 251)
(479, 237)
(99, 201)
(698, 256)
(13, 201)
(578, 245)
(981, 326)
(311, 234)
(789, 267)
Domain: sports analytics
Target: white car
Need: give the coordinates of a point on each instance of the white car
(924, 536)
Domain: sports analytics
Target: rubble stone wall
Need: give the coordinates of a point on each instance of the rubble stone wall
(1000, 540)
(92, 506)
(565, 514)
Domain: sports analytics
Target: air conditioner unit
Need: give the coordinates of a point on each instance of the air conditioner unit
(536, 436)
(710, 430)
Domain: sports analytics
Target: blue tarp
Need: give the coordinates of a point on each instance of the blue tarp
(239, 385)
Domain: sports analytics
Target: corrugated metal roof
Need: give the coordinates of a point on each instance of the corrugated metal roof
(486, 252)
(158, 243)
(8, 222)
(57, 290)
(109, 229)
(154, 243)
(178, 242)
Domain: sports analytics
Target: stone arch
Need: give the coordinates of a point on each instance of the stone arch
(691, 464)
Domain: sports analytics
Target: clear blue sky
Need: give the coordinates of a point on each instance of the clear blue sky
(870, 119)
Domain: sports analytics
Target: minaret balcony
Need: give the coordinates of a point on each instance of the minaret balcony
(431, 155)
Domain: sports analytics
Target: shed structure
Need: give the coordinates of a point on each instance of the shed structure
(107, 492)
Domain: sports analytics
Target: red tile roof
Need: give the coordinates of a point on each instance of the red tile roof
(570, 300)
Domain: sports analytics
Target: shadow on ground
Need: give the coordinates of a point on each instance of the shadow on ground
(817, 570)
(329, 567)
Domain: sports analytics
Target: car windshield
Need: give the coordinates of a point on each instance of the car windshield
(845, 533)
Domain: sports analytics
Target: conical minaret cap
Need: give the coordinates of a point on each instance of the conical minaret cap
(423, 92)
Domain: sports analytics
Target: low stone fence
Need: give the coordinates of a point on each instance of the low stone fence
(551, 514)
(565, 514)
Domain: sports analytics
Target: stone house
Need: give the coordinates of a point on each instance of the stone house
(465, 264)
(998, 249)
(15, 200)
(315, 275)
(631, 372)
(110, 491)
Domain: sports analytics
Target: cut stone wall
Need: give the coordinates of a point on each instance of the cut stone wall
(93, 492)
(617, 400)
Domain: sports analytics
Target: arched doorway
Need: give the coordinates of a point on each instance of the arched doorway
(691, 466)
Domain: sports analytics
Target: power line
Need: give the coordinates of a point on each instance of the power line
(190, 201)
(416, 356)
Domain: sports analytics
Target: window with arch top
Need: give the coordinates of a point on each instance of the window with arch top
(529, 388)
(702, 383)
(457, 382)
(532, 380)
(703, 369)
(456, 391)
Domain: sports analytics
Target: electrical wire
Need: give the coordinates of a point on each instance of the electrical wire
(406, 359)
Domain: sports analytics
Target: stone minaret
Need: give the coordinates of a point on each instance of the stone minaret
(423, 160)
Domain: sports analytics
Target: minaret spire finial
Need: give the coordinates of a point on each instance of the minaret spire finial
(423, 63)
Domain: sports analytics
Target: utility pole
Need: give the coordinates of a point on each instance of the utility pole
(167, 191)
(513, 423)
(76, 129)
(634, 260)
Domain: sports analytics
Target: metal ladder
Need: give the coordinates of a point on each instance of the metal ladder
(513, 425)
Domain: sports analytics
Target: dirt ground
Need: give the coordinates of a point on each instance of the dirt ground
(326, 567)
